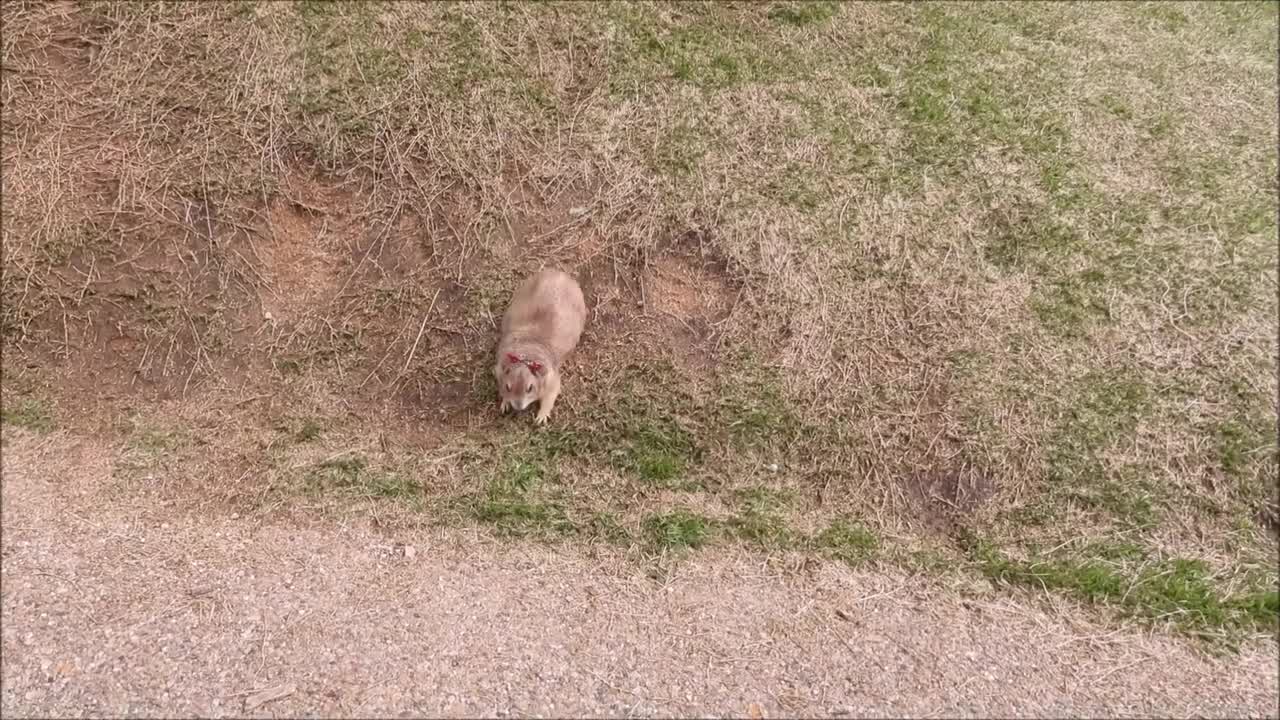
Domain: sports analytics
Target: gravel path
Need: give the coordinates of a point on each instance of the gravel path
(119, 609)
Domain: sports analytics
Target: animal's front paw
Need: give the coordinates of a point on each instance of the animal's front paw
(541, 419)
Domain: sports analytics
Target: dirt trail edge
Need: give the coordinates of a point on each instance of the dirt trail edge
(121, 607)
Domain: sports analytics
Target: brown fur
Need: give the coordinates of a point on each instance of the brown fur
(541, 327)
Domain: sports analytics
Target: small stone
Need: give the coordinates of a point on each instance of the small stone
(410, 552)
(772, 467)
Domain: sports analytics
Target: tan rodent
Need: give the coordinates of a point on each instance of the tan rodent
(542, 325)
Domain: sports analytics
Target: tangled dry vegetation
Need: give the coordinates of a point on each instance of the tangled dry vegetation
(990, 288)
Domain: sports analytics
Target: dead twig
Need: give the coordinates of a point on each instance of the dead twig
(278, 692)
(421, 329)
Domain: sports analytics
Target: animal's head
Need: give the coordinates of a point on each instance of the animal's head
(519, 380)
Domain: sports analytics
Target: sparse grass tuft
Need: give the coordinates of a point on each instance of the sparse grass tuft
(760, 519)
(309, 430)
(299, 431)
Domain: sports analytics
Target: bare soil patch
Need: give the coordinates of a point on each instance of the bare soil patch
(315, 281)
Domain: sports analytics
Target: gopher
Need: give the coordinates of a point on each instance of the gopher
(541, 326)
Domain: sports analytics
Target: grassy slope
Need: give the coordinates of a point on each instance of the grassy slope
(926, 283)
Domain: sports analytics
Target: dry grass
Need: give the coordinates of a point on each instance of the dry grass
(950, 275)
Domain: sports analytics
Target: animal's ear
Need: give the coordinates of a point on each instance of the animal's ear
(513, 358)
(536, 368)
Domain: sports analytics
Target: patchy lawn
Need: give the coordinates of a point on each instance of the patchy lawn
(985, 291)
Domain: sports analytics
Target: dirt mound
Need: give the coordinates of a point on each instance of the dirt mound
(399, 303)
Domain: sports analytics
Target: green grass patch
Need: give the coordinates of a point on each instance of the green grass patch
(1237, 442)
(354, 476)
(678, 530)
(517, 516)
(152, 447)
(309, 430)
(518, 500)
(1069, 306)
(287, 366)
(1165, 589)
(158, 440)
(848, 542)
(651, 445)
(678, 153)
(954, 104)
(1103, 411)
(1028, 237)
(752, 407)
(606, 526)
(761, 517)
(706, 49)
(796, 186)
(29, 413)
(767, 530)
(923, 560)
(1169, 16)
(636, 431)
(802, 13)
(342, 60)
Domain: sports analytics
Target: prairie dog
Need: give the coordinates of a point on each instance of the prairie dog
(541, 326)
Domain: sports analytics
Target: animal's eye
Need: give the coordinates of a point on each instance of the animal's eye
(530, 389)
